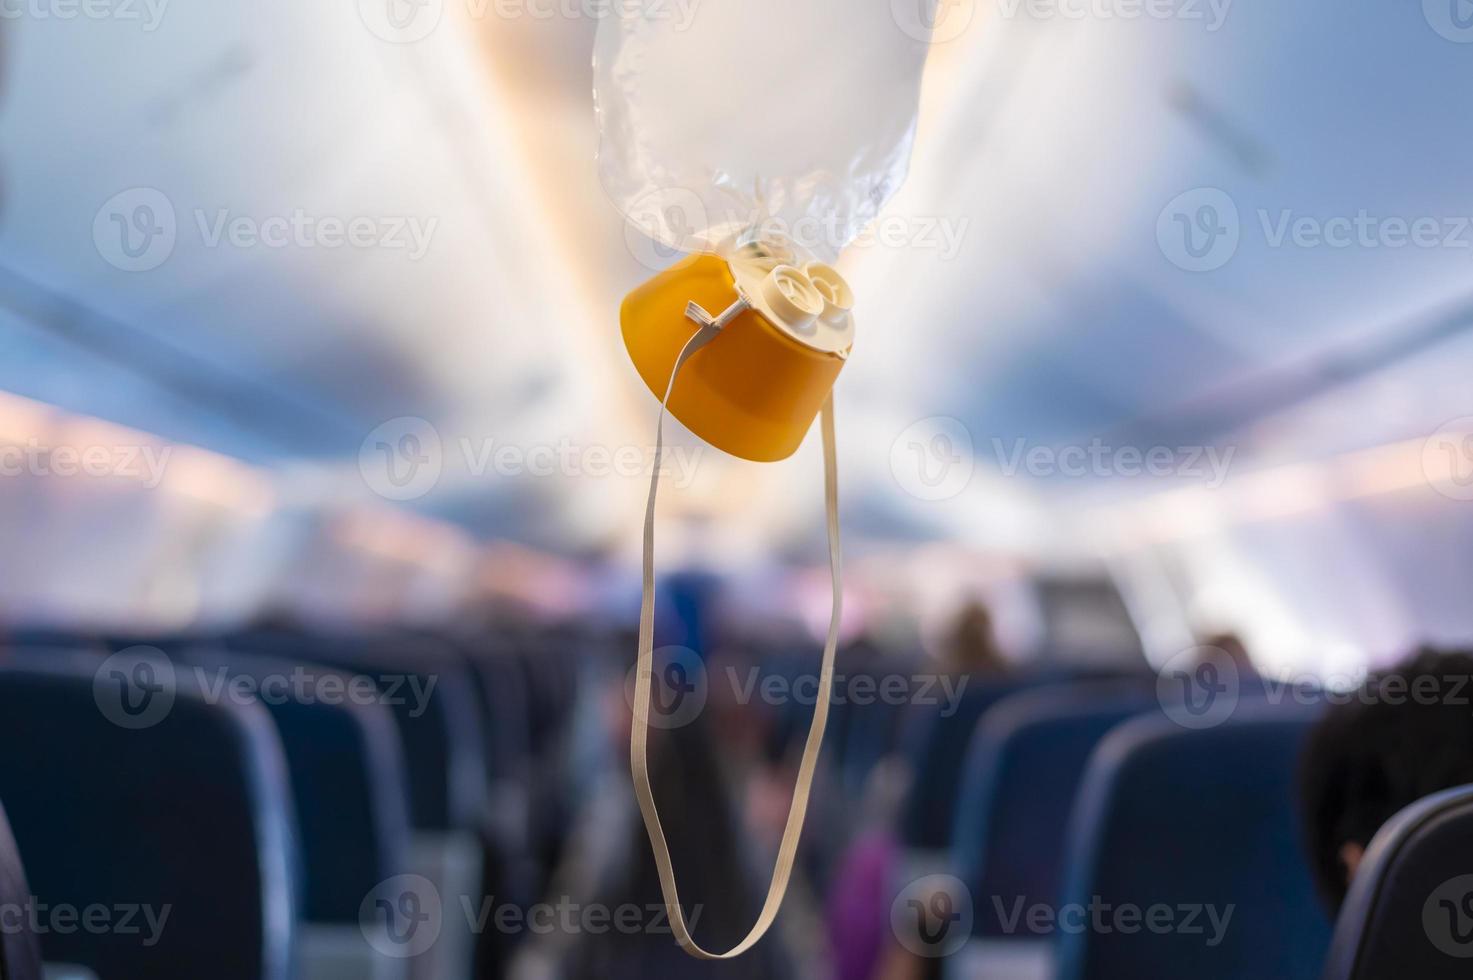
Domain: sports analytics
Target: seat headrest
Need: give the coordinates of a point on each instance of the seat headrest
(1409, 912)
(1021, 778)
(431, 690)
(934, 744)
(20, 950)
(183, 812)
(1185, 854)
(346, 764)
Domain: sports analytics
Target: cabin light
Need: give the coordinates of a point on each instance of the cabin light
(22, 419)
(218, 481)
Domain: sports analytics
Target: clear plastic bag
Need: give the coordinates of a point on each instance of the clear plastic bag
(723, 120)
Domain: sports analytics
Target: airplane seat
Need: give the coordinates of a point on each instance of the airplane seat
(510, 861)
(165, 814)
(934, 744)
(348, 780)
(869, 733)
(34, 639)
(20, 949)
(551, 678)
(443, 743)
(864, 720)
(872, 734)
(1020, 780)
(549, 671)
(431, 693)
(1184, 854)
(502, 692)
(1409, 912)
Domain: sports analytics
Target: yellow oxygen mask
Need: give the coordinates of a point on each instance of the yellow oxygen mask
(748, 379)
(760, 137)
(784, 328)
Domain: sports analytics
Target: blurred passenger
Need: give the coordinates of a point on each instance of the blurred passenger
(970, 646)
(864, 884)
(1235, 649)
(273, 618)
(1405, 734)
(609, 875)
(858, 914)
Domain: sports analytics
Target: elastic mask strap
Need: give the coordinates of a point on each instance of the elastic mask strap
(644, 676)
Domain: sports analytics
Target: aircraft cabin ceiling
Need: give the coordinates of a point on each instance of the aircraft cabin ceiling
(1103, 235)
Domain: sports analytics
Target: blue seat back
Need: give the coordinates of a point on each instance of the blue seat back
(431, 691)
(550, 675)
(934, 743)
(20, 951)
(347, 775)
(866, 717)
(1021, 778)
(190, 813)
(1409, 912)
(501, 685)
(867, 734)
(1200, 825)
(38, 639)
